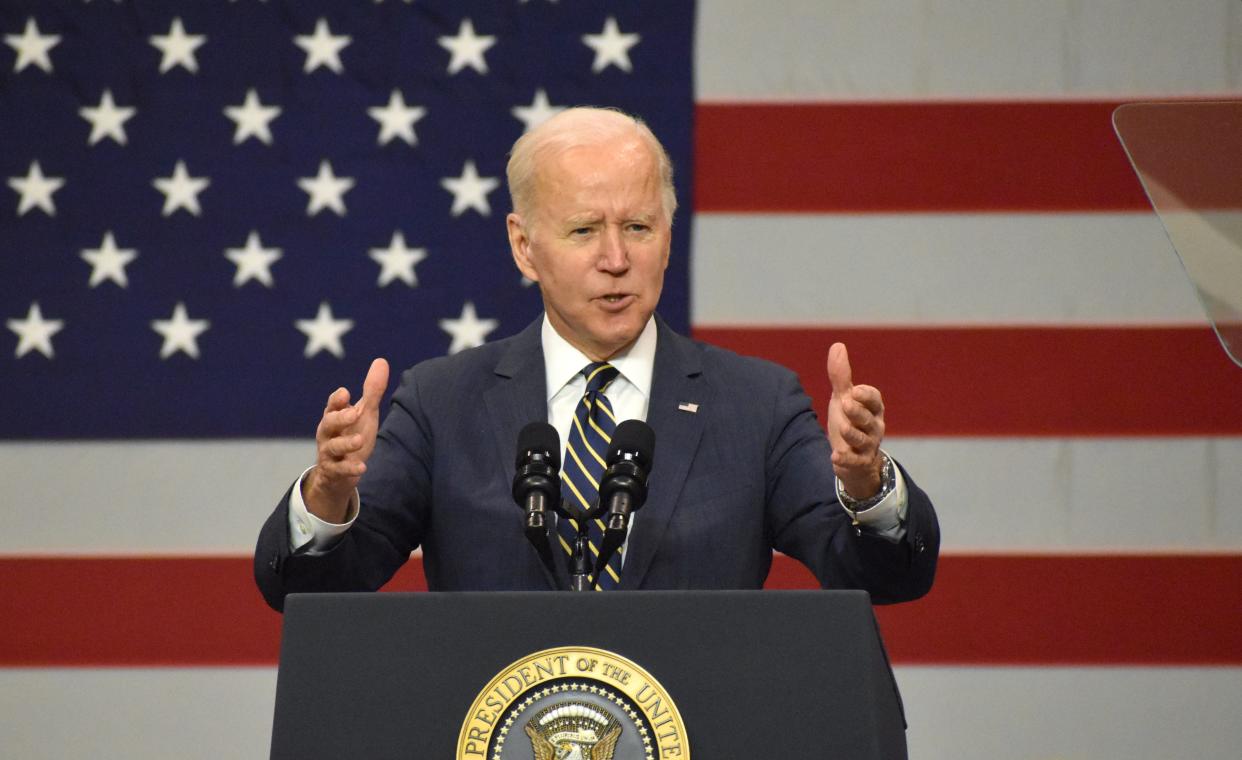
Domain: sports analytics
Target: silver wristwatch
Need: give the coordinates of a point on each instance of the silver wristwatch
(852, 506)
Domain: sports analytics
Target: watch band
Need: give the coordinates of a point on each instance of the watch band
(853, 507)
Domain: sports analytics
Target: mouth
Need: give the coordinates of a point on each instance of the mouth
(616, 301)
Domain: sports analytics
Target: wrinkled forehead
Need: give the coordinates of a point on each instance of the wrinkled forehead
(624, 168)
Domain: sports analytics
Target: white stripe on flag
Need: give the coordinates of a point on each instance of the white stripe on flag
(924, 269)
(994, 494)
(958, 713)
(814, 50)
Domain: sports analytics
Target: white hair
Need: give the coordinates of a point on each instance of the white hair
(574, 127)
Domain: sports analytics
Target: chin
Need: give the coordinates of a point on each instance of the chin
(618, 339)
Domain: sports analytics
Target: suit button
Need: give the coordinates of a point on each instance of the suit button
(274, 564)
(919, 545)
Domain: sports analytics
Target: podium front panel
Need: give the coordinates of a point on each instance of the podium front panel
(754, 674)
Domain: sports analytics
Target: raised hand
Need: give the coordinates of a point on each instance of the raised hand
(855, 428)
(345, 439)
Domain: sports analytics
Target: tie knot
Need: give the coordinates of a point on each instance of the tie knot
(598, 375)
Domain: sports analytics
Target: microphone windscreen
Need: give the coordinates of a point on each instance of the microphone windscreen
(632, 437)
(539, 438)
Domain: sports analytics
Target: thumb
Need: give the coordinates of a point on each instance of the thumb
(375, 385)
(839, 369)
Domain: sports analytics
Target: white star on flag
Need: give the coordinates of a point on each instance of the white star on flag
(253, 119)
(397, 261)
(107, 119)
(32, 48)
(539, 111)
(397, 119)
(180, 332)
(254, 262)
(322, 48)
(34, 333)
(181, 190)
(323, 333)
(36, 190)
(467, 330)
(467, 48)
(108, 262)
(611, 47)
(178, 47)
(326, 190)
(470, 190)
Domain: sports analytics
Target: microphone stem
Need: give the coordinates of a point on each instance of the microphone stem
(580, 572)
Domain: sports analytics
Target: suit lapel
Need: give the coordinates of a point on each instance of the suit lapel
(676, 381)
(518, 397)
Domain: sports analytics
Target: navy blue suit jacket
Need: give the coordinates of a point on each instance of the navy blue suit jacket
(748, 472)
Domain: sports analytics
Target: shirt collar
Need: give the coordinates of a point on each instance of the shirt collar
(561, 361)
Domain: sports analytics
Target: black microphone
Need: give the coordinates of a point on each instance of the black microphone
(623, 488)
(536, 485)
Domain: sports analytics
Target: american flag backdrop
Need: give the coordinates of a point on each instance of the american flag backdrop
(252, 200)
(934, 182)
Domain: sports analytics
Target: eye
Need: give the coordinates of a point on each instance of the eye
(639, 227)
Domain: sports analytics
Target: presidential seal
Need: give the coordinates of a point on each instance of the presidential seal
(572, 703)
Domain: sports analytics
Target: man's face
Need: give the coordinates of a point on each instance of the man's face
(597, 242)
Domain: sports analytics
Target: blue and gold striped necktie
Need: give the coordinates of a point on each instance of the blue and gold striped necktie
(585, 452)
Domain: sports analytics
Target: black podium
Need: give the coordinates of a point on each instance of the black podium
(754, 674)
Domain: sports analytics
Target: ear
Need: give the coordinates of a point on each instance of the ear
(519, 245)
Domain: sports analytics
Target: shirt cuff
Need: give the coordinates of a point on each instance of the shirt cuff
(310, 535)
(887, 518)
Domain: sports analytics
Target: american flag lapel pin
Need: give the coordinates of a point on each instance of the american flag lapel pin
(686, 406)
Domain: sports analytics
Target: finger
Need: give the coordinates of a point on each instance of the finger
(869, 396)
(854, 438)
(342, 446)
(343, 418)
(341, 469)
(858, 415)
(844, 462)
(375, 385)
(839, 369)
(865, 422)
(338, 400)
(336, 423)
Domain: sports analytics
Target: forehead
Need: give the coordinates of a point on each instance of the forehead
(622, 174)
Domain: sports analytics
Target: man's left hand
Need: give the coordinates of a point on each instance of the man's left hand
(855, 428)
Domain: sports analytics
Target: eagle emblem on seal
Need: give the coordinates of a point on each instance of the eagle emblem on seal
(573, 731)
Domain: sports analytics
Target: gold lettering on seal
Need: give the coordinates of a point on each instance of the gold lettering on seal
(564, 669)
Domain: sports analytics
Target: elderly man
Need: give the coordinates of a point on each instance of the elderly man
(742, 466)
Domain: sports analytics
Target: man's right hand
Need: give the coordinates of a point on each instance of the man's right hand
(345, 439)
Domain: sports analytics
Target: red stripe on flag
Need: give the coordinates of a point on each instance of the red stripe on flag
(947, 156)
(1019, 381)
(1064, 610)
(1046, 610)
(84, 611)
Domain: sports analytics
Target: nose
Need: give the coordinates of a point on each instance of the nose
(614, 258)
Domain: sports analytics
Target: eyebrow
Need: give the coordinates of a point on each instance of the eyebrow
(590, 218)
